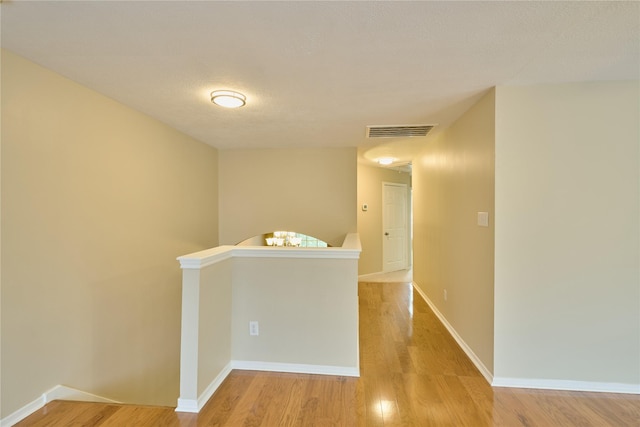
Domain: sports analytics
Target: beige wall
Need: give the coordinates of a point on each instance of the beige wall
(370, 179)
(307, 311)
(97, 202)
(567, 232)
(452, 181)
(310, 191)
(215, 312)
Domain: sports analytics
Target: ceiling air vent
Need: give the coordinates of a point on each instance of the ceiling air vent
(398, 131)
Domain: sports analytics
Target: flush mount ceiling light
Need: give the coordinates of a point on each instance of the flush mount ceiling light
(228, 98)
(385, 160)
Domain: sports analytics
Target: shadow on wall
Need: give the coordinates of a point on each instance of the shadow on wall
(284, 238)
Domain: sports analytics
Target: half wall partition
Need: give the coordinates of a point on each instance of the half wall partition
(301, 303)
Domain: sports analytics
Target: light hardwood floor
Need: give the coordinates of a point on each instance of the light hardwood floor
(412, 374)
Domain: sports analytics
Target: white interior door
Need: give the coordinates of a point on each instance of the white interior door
(395, 230)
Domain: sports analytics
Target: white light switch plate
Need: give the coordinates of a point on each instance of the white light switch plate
(254, 328)
(483, 219)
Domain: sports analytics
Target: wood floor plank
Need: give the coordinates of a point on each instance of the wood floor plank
(309, 405)
(481, 395)
(223, 403)
(372, 396)
(412, 373)
(59, 413)
(628, 415)
(242, 411)
(277, 393)
(291, 406)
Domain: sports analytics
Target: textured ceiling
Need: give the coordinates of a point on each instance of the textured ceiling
(317, 73)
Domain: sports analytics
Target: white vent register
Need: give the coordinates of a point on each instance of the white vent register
(398, 131)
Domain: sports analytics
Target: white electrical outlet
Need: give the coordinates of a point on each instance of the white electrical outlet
(445, 294)
(253, 328)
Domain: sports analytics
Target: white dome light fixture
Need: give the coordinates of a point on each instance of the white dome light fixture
(385, 161)
(228, 98)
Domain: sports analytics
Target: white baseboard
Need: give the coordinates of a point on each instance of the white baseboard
(474, 359)
(187, 405)
(193, 405)
(23, 412)
(566, 385)
(211, 388)
(364, 276)
(249, 365)
(528, 382)
(59, 392)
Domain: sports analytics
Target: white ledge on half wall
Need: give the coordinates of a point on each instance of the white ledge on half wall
(350, 249)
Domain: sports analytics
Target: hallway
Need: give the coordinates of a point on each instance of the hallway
(412, 374)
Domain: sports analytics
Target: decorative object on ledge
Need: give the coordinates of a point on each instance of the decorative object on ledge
(283, 238)
(293, 239)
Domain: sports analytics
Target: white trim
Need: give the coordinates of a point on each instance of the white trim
(474, 359)
(289, 252)
(352, 242)
(566, 385)
(59, 392)
(187, 405)
(23, 412)
(192, 405)
(213, 386)
(294, 368)
(197, 260)
(365, 276)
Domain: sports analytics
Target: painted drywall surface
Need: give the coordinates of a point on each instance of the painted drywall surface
(370, 179)
(214, 343)
(276, 292)
(310, 191)
(97, 202)
(453, 180)
(258, 240)
(567, 275)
